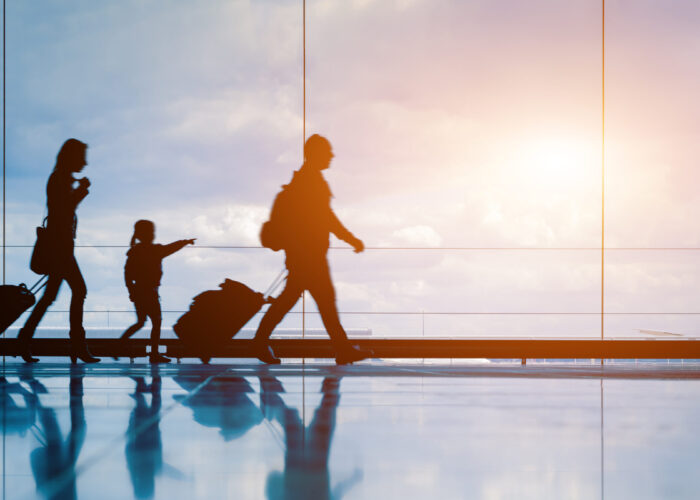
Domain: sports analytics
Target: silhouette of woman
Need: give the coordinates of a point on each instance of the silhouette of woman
(142, 273)
(62, 200)
(53, 462)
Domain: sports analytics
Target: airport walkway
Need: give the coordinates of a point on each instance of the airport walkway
(373, 430)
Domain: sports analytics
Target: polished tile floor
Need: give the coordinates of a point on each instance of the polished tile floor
(374, 430)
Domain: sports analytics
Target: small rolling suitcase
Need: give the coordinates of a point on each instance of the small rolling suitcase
(215, 316)
(15, 299)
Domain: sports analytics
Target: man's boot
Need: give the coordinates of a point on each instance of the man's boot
(351, 354)
(265, 354)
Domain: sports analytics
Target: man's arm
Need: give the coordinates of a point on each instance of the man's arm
(342, 233)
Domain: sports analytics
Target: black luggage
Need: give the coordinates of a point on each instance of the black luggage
(215, 316)
(15, 299)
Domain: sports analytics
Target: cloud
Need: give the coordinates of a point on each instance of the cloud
(418, 236)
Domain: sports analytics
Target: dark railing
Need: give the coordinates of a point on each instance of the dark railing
(390, 348)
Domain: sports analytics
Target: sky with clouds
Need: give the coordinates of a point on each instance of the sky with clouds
(454, 124)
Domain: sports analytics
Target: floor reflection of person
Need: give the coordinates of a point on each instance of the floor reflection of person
(53, 463)
(305, 472)
(144, 448)
(223, 403)
(19, 419)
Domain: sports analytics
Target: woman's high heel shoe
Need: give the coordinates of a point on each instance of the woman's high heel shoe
(84, 356)
(80, 349)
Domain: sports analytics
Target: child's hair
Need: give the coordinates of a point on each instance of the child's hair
(141, 229)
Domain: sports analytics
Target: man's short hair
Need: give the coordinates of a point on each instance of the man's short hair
(316, 144)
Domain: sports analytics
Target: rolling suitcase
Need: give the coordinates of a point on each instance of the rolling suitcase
(215, 316)
(15, 299)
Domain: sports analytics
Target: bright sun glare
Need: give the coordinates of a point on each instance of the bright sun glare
(556, 163)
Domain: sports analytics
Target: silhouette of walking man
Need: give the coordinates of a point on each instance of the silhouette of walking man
(62, 200)
(304, 219)
(307, 449)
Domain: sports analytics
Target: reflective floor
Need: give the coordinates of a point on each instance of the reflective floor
(376, 430)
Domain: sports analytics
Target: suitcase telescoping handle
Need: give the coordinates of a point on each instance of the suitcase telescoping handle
(281, 277)
(41, 283)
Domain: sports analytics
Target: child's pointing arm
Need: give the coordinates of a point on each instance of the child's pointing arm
(175, 246)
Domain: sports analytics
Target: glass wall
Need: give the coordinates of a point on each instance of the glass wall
(468, 154)
(651, 142)
(472, 129)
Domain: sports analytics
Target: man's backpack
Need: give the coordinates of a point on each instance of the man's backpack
(274, 233)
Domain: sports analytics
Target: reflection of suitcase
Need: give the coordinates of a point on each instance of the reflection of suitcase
(215, 316)
(15, 299)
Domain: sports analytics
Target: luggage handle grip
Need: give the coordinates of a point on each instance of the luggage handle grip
(281, 277)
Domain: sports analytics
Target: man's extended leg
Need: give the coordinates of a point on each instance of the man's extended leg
(278, 309)
(323, 292)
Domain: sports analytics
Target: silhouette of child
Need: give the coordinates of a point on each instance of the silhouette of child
(142, 274)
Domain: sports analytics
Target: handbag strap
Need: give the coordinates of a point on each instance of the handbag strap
(46, 213)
